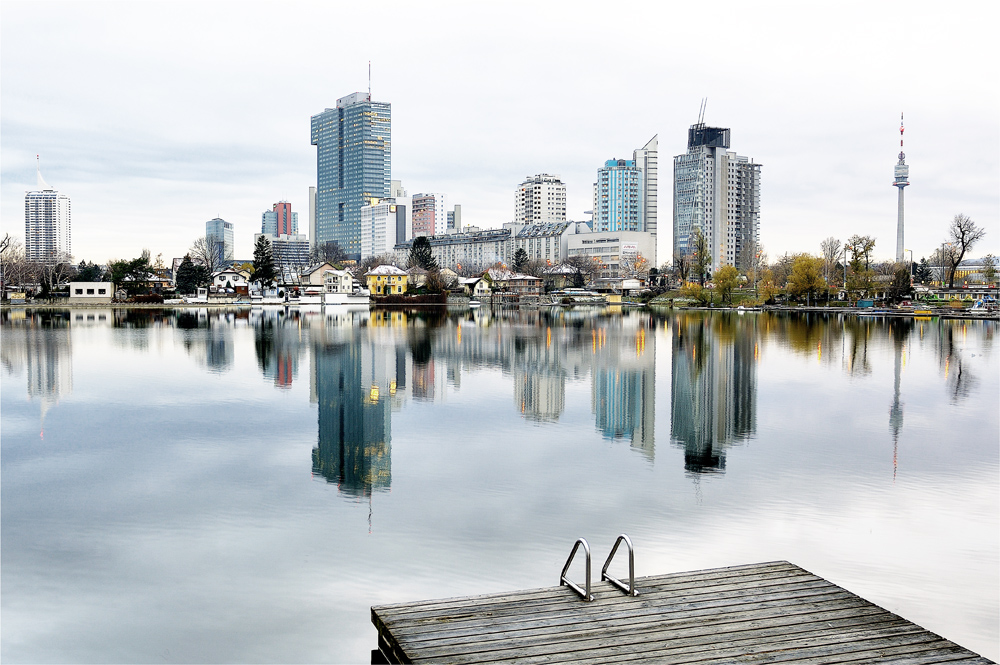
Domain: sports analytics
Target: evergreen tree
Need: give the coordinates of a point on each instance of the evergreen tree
(187, 276)
(263, 262)
(421, 255)
(89, 272)
(520, 260)
(923, 274)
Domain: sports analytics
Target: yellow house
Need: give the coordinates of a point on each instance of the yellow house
(386, 280)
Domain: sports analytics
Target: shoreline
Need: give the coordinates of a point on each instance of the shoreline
(875, 313)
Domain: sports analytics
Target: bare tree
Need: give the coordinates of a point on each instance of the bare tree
(831, 249)
(209, 252)
(588, 268)
(15, 268)
(701, 257)
(682, 266)
(387, 259)
(861, 248)
(964, 234)
(327, 252)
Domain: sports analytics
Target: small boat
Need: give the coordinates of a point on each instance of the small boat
(474, 303)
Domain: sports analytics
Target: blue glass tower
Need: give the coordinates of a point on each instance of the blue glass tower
(618, 197)
(353, 161)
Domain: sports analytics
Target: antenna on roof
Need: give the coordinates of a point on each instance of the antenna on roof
(701, 110)
(369, 80)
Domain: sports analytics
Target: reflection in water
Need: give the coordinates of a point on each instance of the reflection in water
(713, 402)
(357, 376)
(40, 344)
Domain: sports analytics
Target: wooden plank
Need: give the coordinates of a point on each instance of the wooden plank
(773, 612)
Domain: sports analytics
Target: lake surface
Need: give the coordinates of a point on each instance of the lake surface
(241, 486)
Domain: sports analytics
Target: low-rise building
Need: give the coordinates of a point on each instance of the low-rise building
(479, 249)
(615, 253)
(86, 292)
(386, 280)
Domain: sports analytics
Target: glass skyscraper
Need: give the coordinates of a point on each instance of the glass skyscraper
(353, 161)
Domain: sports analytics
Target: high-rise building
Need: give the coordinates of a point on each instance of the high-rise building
(455, 219)
(647, 161)
(717, 192)
(618, 197)
(46, 224)
(383, 225)
(280, 220)
(430, 214)
(219, 235)
(540, 199)
(353, 160)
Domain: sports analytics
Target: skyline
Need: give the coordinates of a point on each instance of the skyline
(151, 146)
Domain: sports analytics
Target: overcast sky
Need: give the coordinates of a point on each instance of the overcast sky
(155, 117)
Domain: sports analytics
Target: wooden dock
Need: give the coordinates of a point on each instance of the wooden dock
(760, 613)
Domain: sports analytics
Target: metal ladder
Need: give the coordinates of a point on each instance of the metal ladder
(629, 589)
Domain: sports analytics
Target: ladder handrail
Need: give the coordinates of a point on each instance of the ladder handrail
(630, 589)
(563, 580)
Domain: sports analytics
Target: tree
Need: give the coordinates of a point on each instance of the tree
(132, 275)
(861, 248)
(388, 259)
(806, 278)
(923, 274)
(263, 262)
(191, 275)
(520, 260)
(964, 234)
(586, 268)
(681, 266)
(421, 254)
(752, 261)
(899, 285)
(89, 272)
(768, 286)
(726, 279)
(52, 274)
(15, 269)
(832, 250)
(327, 252)
(701, 257)
(209, 252)
(989, 270)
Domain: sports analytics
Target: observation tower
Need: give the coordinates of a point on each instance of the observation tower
(901, 181)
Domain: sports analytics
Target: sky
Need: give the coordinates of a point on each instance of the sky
(155, 117)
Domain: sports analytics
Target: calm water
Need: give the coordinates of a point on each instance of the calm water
(198, 486)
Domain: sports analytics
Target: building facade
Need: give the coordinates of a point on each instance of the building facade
(353, 166)
(717, 192)
(618, 197)
(469, 249)
(383, 225)
(219, 235)
(290, 252)
(646, 160)
(545, 242)
(47, 228)
(280, 220)
(614, 254)
(540, 199)
(430, 214)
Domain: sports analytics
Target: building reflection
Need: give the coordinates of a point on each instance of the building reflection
(623, 381)
(359, 374)
(277, 343)
(713, 401)
(40, 344)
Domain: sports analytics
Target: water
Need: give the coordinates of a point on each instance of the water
(204, 486)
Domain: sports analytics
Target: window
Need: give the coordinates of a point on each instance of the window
(90, 292)
(79, 292)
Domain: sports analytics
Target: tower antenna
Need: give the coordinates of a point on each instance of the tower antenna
(701, 110)
(369, 80)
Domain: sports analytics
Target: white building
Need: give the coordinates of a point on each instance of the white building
(384, 224)
(544, 242)
(540, 199)
(647, 161)
(290, 252)
(718, 192)
(615, 253)
(47, 224)
(470, 249)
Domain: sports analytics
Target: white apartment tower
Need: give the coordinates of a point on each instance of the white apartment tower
(718, 192)
(540, 199)
(46, 224)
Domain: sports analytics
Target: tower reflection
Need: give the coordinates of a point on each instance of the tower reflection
(713, 401)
